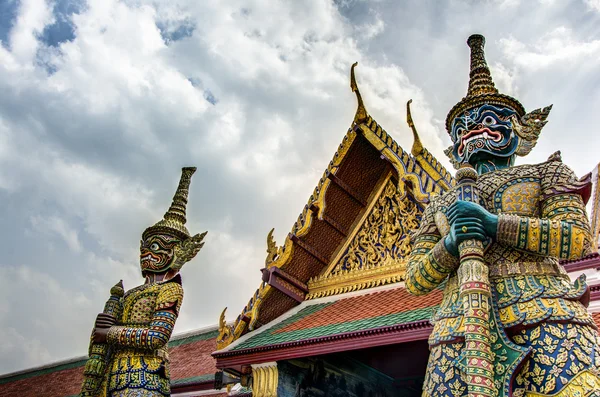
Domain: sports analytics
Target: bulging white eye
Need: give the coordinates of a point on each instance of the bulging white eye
(489, 120)
(154, 247)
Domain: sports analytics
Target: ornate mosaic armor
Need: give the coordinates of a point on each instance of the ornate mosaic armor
(140, 363)
(540, 218)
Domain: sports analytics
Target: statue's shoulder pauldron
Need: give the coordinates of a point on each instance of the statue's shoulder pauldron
(558, 178)
(170, 294)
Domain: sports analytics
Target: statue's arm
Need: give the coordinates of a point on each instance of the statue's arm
(158, 332)
(429, 262)
(562, 231)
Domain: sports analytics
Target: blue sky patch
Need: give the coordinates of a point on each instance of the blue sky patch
(62, 29)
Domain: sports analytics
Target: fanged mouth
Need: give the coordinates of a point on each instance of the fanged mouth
(483, 133)
(148, 257)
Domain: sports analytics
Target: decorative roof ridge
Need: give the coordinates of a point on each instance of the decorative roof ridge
(195, 332)
(305, 304)
(587, 262)
(405, 164)
(351, 280)
(205, 378)
(412, 326)
(46, 368)
(279, 256)
(421, 154)
(80, 360)
(406, 167)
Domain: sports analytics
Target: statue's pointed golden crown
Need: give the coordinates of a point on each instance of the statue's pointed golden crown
(481, 86)
(175, 218)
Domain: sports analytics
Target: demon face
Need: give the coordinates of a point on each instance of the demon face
(482, 133)
(157, 253)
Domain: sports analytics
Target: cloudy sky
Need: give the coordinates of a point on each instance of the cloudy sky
(103, 102)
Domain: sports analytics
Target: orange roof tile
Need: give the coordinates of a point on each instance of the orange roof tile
(380, 303)
(596, 317)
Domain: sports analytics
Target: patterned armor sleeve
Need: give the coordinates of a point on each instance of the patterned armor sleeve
(429, 263)
(563, 231)
(157, 333)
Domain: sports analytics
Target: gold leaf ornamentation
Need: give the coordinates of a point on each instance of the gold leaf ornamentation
(373, 255)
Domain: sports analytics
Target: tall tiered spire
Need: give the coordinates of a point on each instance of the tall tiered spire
(481, 89)
(175, 217)
(480, 78)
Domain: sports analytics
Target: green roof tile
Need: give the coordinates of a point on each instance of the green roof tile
(193, 379)
(267, 337)
(194, 338)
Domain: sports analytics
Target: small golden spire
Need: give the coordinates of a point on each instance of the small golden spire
(118, 290)
(417, 147)
(361, 112)
(175, 217)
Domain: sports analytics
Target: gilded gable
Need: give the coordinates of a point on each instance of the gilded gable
(372, 255)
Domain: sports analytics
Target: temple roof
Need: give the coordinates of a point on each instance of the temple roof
(325, 325)
(312, 261)
(64, 379)
(355, 320)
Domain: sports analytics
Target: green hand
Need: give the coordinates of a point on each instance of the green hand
(464, 229)
(469, 210)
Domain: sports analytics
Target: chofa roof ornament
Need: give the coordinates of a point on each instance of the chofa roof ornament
(361, 111)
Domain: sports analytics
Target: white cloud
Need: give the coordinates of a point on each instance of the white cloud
(372, 28)
(34, 15)
(36, 304)
(593, 4)
(505, 79)
(558, 46)
(507, 3)
(56, 225)
(92, 138)
(23, 351)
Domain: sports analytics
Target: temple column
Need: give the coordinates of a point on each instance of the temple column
(264, 379)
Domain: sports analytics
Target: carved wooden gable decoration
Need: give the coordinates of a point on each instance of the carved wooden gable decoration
(354, 230)
(373, 254)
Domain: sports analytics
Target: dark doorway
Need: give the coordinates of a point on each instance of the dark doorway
(384, 371)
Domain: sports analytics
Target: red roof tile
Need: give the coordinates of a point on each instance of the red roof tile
(193, 359)
(380, 303)
(188, 360)
(596, 317)
(56, 384)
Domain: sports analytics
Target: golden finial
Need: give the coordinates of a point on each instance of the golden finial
(175, 217)
(417, 147)
(361, 112)
(118, 290)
